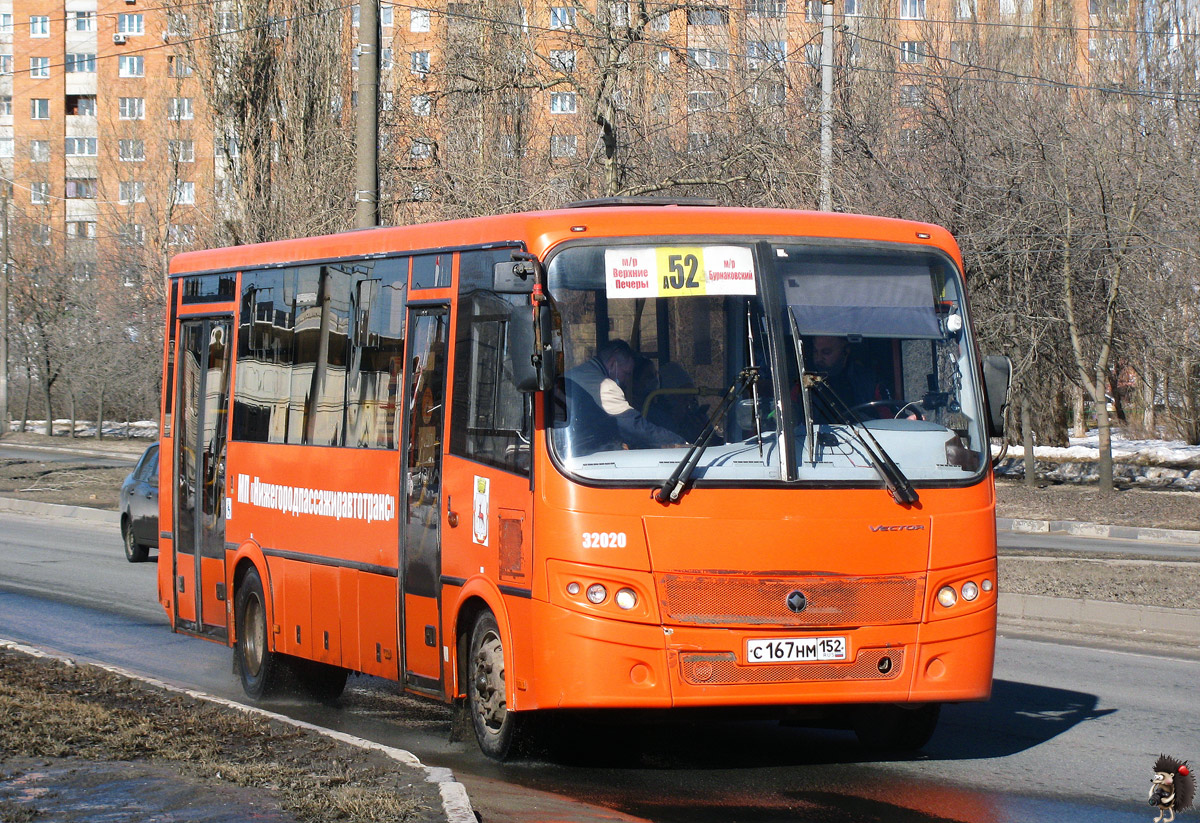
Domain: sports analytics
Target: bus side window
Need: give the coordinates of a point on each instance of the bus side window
(491, 420)
(375, 373)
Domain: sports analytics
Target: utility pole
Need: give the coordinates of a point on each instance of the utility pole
(4, 422)
(366, 194)
(826, 105)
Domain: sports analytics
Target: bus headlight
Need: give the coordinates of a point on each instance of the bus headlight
(596, 593)
(626, 599)
(970, 591)
(947, 596)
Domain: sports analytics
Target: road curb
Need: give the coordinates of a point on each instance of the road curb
(1076, 529)
(18, 506)
(1098, 613)
(456, 805)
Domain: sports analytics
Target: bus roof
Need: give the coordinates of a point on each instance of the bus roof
(539, 231)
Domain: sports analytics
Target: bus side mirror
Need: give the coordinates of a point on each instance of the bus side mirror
(524, 360)
(514, 277)
(997, 376)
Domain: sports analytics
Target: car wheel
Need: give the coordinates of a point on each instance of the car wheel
(896, 728)
(260, 669)
(487, 694)
(134, 551)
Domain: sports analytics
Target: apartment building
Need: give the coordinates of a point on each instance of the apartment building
(105, 137)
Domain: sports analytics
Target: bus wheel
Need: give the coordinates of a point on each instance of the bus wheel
(896, 728)
(259, 668)
(487, 697)
(134, 552)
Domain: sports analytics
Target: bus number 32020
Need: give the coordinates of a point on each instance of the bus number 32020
(604, 540)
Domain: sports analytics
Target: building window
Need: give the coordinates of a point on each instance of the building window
(228, 21)
(39, 25)
(39, 193)
(813, 11)
(812, 54)
(6, 23)
(664, 61)
(962, 51)
(911, 96)
(132, 234)
(178, 66)
(765, 53)
(183, 193)
(40, 234)
(80, 63)
(81, 188)
(39, 67)
(39, 151)
(130, 24)
(6, 147)
(562, 60)
(771, 93)
(131, 150)
(131, 108)
(705, 101)
(131, 191)
(418, 20)
(850, 8)
(709, 59)
(699, 142)
(181, 234)
(6, 64)
(178, 24)
(131, 65)
(563, 145)
(421, 149)
(660, 23)
(562, 102)
(39, 108)
(82, 20)
(81, 147)
(386, 15)
(385, 59)
(419, 63)
(5, 105)
(81, 105)
(81, 229)
(708, 17)
(181, 151)
(912, 9)
(422, 105)
(179, 108)
(766, 8)
(562, 17)
(912, 51)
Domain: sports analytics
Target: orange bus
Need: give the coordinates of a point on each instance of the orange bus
(619, 455)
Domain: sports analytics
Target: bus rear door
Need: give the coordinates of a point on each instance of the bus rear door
(202, 405)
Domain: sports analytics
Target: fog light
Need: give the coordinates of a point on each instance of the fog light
(987, 585)
(947, 596)
(970, 591)
(626, 599)
(572, 588)
(596, 593)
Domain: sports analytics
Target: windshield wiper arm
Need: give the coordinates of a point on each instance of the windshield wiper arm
(894, 479)
(672, 488)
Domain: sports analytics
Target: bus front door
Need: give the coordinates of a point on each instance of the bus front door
(420, 539)
(201, 414)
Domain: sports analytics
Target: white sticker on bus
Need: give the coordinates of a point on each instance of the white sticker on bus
(479, 516)
(298, 500)
(678, 271)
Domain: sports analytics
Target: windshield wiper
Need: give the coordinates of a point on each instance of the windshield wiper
(672, 488)
(897, 483)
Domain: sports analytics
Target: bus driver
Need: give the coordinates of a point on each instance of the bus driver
(602, 378)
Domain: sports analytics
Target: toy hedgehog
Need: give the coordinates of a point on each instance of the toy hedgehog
(1172, 788)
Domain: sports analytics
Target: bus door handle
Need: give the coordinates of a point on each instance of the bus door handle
(451, 514)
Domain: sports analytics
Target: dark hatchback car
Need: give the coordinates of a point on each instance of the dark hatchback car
(139, 507)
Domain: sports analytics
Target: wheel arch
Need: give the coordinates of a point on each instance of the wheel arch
(477, 596)
(249, 556)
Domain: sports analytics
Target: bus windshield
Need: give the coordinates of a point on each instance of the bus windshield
(856, 350)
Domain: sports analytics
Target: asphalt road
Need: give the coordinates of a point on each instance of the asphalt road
(1070, 733)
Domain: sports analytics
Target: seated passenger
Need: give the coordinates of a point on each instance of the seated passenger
(601, 378)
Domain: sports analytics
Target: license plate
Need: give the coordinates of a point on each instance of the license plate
(796, 649)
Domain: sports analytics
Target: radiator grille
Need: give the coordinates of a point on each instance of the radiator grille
(762, 601)
(724, 670)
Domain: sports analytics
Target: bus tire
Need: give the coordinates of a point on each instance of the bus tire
(260, 669)
(134, 552)
(896, 728)
(487, 696)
